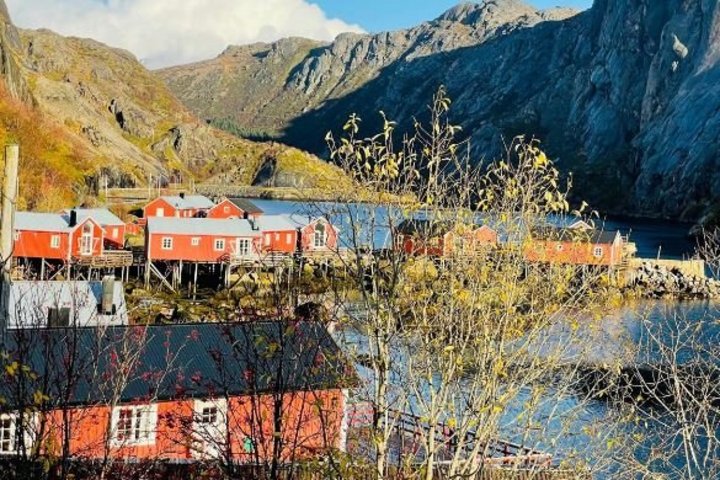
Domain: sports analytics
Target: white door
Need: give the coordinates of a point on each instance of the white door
(243, 247)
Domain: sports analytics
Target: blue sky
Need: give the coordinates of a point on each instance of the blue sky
(380, 15)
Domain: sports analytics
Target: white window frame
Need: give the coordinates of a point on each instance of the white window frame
(209, 438)
(219, 244)
(30, 432)
(160, 212)
(244, 247)
(115, 232)
(323, 243)
(166, 243)
(598, 251)
(288, 238)
(55, 241)
(195, 241)
(226, 208)
(143, 425)
(268, 239)
(559, 247)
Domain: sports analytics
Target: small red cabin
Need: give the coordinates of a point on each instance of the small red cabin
(182, 206)
(203, 240)
(575, 246)
(280, 234)
(114, 229)
(235, 208)
(315, 234)
(439, 239)
(53, 236)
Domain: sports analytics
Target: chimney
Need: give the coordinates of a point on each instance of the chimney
(73, 218)
(253, 224)
(182, 195)
(108, 295)
(7, 235)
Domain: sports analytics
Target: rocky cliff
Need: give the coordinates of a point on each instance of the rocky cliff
(90, 113)
(625, 95)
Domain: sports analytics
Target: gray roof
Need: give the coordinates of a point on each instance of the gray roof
(275, 223)
(28, 303)
(103, 216)
(191, 361)
(231, 227)
(245, 205)
(41, 222)
(190, 201)
(302, 221)
(596, 237)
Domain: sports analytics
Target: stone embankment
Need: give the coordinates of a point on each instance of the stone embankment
(659, 281)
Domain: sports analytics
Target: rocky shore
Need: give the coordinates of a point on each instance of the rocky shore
(657, 281)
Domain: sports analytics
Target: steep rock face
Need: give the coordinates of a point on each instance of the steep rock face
(626, 95)
(9, 52)
(261, 87)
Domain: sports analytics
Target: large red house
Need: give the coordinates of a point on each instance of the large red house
(575, 246)
(182, 206)
(113, 228)
(53, 236)
(235, 208)
(193, 392)
(440, 239)
(201, 240)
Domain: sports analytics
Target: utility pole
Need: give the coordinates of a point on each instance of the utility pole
(7, 223)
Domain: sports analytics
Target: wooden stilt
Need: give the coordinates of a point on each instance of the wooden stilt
(194, 287)
(42, 269)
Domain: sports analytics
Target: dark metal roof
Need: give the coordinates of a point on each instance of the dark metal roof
(423, 227)
(173, 361)
(246, 205)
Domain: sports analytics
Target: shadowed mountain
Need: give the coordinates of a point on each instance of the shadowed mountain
(626, 95)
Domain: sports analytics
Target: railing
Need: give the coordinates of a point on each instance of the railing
(408, 428)
(108, 259)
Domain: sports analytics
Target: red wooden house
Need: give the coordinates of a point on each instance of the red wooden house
(280, 234)
(114, 229)
(439, 239)
(201, 240)
(182, 206)
(53, 236)
(194, 392)
(235, 208)
(575, 246)
(315, 234)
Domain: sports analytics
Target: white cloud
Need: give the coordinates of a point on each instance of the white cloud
(171, 32)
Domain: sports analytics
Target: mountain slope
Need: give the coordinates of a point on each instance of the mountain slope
(260, 87)
(90, 112)
(626, 94)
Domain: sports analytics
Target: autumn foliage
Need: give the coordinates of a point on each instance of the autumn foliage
(53, 165)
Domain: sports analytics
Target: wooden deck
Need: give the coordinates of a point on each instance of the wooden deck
(109, 259)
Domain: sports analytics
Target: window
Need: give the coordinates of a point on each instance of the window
(58, 317)
(115, 232)
(226, 209)
(288, 238)
(134, 425)
(559, 247)
(167, 243)
(195, 241)
(209, 416)
(267, 239)
(319, 237)
(7, 433)
(55, 241)
(160, 212)
(243, 247)
(598, 252)
(277, 237)
(219, 244)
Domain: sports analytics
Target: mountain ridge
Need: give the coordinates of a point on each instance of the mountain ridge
(624, 94)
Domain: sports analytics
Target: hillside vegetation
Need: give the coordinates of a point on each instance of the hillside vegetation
(87, 114)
